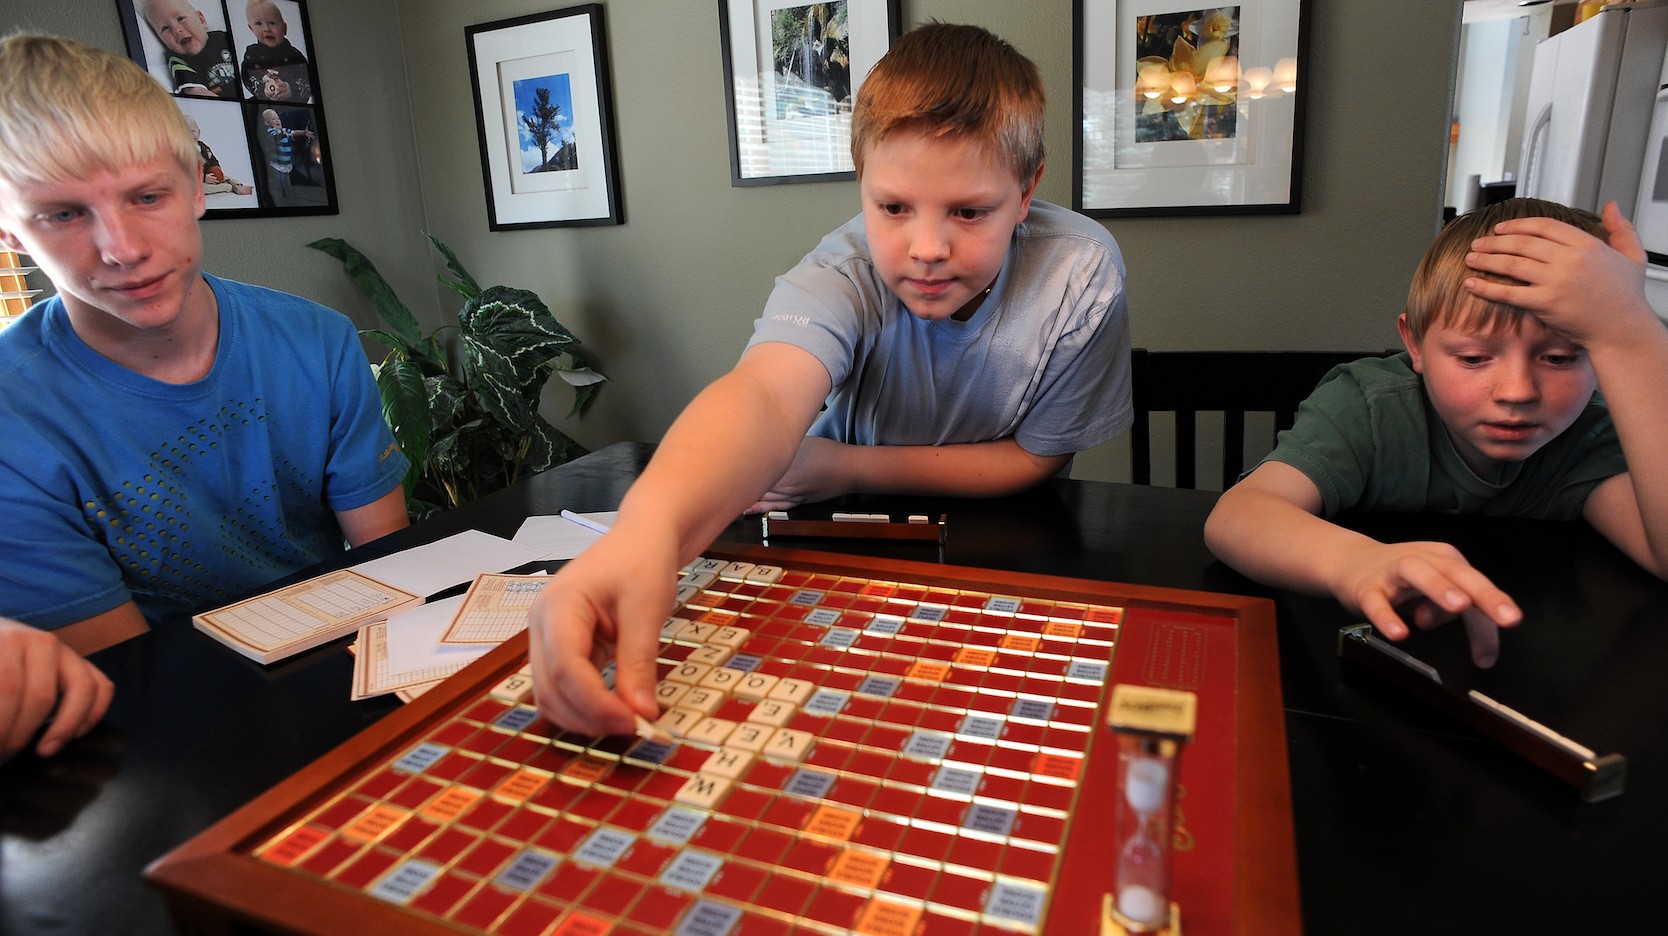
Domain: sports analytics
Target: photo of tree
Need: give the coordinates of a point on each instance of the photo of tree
(544, 124)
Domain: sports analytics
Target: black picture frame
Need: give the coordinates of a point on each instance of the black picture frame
(227, 91)
(1187, 108)
(514, 65)
(788, 100)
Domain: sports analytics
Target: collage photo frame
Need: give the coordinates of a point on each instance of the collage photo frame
(245, 76)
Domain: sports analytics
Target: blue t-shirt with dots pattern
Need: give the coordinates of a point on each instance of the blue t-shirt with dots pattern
(181, 496)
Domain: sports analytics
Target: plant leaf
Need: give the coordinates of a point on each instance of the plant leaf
(579, 377)
(364, 275)
(405, 408)
(444, 398)
(465, 284)
(503, 393)
(519, 326)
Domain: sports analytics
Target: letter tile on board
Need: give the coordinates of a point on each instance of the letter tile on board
(667, 692)
(690, 673)
(750, 736)
(712, 731)
(701, 699)
(721, 679)
(730, 636)
(678, 721)
(795, 691)
(514, 688)
(756, 686)
(773, 712)
(788, 744)
(703, 791)
(710, 654)
(727, 762)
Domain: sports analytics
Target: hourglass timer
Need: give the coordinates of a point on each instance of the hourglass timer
(1151, 725)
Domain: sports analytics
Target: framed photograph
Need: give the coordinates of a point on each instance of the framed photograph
(245, 78)
(1187, 109)
(546, 119)
(791, 73)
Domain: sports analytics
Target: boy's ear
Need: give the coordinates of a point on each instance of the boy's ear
(1411, 345)
(1030, 191)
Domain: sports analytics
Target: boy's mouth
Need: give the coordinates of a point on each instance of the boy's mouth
(1510, 431)
(931, 287)
(139, 289)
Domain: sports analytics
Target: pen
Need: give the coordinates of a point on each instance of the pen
(585, 522)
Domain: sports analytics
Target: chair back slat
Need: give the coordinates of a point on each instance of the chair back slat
(1232, 383)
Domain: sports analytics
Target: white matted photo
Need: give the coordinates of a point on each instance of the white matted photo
(792, 70)
(1189, 108)
(545, 119)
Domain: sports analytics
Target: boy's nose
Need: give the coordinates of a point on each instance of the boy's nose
(119, 243)
(928, 244)
(1515, 382)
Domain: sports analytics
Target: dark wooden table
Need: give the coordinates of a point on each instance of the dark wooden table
(1405, 821)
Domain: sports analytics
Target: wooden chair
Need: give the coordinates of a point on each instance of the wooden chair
(1232, 383)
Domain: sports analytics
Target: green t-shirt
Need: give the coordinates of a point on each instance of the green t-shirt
(1369, 440)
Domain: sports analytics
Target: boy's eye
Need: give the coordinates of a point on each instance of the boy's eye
(61, 216)
(891, 208)
(1473, 360)
(1561, 359)
(970, 214)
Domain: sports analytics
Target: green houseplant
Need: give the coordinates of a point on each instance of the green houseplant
(469, 420)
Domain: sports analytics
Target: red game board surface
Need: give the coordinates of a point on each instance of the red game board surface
(898, 751)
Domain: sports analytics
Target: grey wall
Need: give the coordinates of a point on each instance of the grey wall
(666, 300)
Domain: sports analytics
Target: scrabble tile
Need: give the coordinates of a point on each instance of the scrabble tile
(703, 791)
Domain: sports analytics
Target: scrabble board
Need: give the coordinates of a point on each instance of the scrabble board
(881, 747)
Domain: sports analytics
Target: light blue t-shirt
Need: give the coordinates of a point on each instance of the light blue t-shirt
(114, 485)
(1045, 359)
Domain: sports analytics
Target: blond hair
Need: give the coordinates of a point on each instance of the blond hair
(945, 80)
(68, 110)
(1438, 295)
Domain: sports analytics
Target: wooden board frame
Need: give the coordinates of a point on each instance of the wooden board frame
(214, 886)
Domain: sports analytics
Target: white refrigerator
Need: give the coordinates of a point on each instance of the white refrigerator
(1594, 127)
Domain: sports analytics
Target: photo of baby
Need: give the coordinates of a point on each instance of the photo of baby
(195, 51)
(292, 163)
(274, 67)
(228, 170)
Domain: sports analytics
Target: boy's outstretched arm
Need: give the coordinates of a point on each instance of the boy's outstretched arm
(1267, 527)
(1593, 293)
(734, 439)
(824, 468)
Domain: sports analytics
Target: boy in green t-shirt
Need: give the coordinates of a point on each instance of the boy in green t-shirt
(1518, 312)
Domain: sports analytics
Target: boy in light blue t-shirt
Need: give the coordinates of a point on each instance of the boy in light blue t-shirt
(965, 338)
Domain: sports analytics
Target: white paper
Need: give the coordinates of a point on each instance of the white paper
(561, 537)
(414, 639)
(455, 560)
